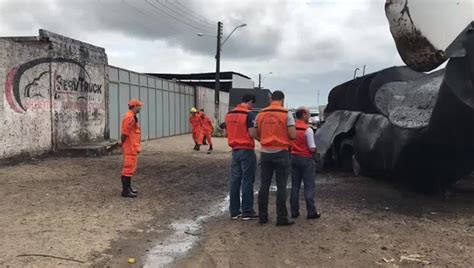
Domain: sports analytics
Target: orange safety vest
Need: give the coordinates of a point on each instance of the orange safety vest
(271, 123)
(131, 129)
(299, 146)
(238, 136)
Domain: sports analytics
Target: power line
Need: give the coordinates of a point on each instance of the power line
(136, 22)
(141, 12)
(179, 13)
(176, 18)
(195, 15)
(212, 22)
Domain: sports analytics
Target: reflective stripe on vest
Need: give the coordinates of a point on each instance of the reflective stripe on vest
(238, 136)
(272, 127)
(299, 146)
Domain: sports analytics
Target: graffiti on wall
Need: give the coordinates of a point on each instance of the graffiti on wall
(63, 87)
(28, 86)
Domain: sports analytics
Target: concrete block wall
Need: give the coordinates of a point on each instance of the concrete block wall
(52, 94)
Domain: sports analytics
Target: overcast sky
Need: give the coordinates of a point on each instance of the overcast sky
(308, 45)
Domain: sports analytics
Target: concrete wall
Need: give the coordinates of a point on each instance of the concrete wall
(205, 100)
(53, 93)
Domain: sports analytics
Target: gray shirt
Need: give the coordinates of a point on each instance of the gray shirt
(290, 121)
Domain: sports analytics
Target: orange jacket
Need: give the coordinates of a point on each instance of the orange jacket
(207, 124)
(131, 129)
(195, 121)
(299, 146)
(238, 136)
(272, 127)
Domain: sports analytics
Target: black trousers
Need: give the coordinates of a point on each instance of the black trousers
(278, 163)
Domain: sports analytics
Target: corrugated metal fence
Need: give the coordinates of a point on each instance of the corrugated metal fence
(166, 108)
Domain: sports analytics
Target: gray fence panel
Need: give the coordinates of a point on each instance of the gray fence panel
(144, 112)
(114, 111)
(177, 112)
(172, 113)
(152, 113)
(188, 108)
(166, 114)
(160, 113)
(166, 109)
(182, 109)
(134, 92)
(124, 96)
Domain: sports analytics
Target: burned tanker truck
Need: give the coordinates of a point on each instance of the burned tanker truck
(402, 122)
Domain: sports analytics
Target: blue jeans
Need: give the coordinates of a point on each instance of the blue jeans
(242, 174)
(302, 170)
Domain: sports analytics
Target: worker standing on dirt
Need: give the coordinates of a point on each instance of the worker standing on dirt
(274, 127)
(244, 161)
(130, 138)
(196, 124)
(303, 166)
(207, 128)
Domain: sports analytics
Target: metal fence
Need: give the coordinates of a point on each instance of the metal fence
(166, 108)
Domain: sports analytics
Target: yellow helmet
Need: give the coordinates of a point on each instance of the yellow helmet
(194, 110)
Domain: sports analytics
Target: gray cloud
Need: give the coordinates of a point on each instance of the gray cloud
(306, 46)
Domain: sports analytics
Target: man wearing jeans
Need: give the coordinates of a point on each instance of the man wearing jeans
(274, 127)
(302, 166)
(244, 161)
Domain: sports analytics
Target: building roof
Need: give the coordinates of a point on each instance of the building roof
(197, 76)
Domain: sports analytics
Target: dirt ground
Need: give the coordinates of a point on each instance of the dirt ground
(364, 223)
(71, 208)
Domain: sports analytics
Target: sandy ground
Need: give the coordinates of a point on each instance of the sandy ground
(71, 208)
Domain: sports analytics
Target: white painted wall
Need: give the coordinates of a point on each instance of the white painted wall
(205, 100)
(241, 82)
(52, 93)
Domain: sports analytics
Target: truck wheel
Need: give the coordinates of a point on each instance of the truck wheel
(355, 166)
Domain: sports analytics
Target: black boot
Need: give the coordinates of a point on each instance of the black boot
(210, 147)
(131, 188)
(126, 192)
(204, 142)
(196, 147)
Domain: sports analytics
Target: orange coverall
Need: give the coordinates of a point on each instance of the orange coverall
(196, 124)
(207, 128)
(131, 146)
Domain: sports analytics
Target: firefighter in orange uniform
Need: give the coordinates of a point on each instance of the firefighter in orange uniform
(274, 128)
(207, 128)
(130, 137)
(196, 124)
(302, 166)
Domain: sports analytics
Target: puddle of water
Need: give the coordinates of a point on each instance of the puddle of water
(185, 234)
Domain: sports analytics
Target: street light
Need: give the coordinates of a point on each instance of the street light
(355, 72)
(218, 65)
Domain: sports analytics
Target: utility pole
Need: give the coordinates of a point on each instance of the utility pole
(318, 98)
(260, 81)
(363, 72)
(218, 72)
